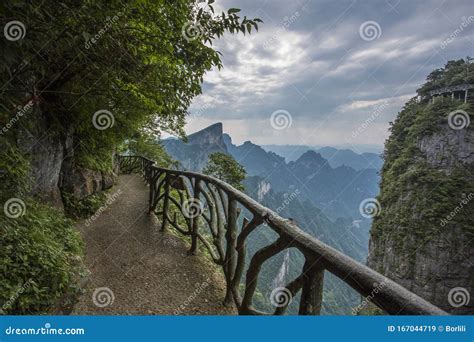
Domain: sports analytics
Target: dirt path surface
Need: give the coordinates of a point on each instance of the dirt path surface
(138, 270)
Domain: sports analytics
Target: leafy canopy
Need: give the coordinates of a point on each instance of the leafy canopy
(225, 168)
(455, 72)
(142, 60)
(145, 145)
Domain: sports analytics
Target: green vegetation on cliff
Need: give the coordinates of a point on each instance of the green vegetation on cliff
(416, 194)
(40, 249)
(224, 167)
(454, 73)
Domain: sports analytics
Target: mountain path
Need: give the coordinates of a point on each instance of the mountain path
(138, 270)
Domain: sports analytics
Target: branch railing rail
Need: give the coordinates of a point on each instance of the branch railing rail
(204, 200)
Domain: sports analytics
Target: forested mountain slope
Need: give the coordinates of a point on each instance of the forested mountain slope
(424, 235)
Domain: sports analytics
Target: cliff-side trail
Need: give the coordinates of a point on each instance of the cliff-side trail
(138, 270)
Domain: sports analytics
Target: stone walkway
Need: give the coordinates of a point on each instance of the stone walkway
(138, 270)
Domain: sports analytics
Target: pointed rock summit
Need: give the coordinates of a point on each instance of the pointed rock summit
(194, 153)
(208, 136)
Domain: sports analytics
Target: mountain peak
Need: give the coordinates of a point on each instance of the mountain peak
(311, 156)
(209, 135)
(194, 154)
(310, 162)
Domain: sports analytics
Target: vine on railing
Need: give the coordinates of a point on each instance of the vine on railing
(190, 201)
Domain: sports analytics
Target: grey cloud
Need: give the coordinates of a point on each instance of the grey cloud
(317, 66)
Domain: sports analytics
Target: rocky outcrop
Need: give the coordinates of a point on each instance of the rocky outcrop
(53, 171)
(448, 148)
(423, 238)
(194, 153)
(212, 135)
(46, 159)
(46, 154)
(81, 182)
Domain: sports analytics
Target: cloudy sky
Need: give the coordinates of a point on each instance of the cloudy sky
(332, 72)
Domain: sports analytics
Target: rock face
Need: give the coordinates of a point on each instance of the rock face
(447, 149)
(53, 171)
(212, 135)
(423, 238)
(194, 153)
(46, 161)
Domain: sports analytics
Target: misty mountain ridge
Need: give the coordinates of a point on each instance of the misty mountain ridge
(337, 191)
(335, 156)
(326, 204)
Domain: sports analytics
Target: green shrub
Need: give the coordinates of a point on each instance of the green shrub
(13, 171)
(85, 207)
(40, 260)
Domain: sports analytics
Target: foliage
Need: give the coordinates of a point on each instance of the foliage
(224, 167)
(414, 195)
(136, 61)
(146, 145)
(454, 73)
(39, 259)
(143, 62)
(84, 207)
(13, 172)
(371, 310)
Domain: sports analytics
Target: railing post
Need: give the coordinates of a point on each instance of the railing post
(230, 261)
(312, 292)
(166, 201)
(151, 196)
(195, 217)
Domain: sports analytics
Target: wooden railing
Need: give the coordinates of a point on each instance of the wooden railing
(188, 201)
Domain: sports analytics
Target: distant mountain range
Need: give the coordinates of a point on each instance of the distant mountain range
(336, 183)
(336, 190)
(336, 157)
(324, 197)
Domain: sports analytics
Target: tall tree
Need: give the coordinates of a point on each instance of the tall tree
(89, 74)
